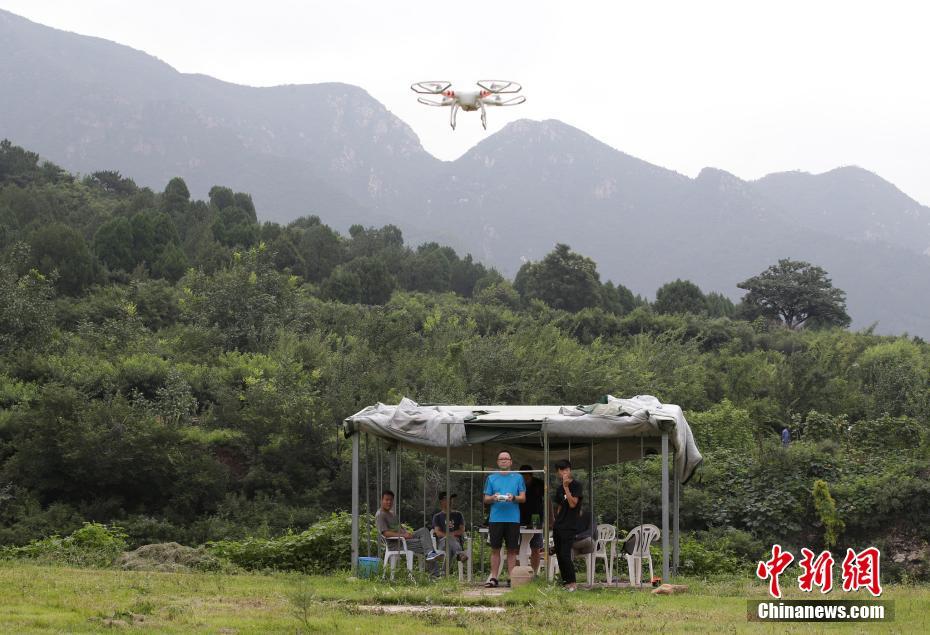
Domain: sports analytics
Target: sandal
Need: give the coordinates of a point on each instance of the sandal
(491, 583)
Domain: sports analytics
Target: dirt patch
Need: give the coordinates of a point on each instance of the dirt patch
(481, 592)
(400, 608)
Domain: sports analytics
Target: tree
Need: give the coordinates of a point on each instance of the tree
(113, 244)
(563, 280)
(57, 247)
(618, 299)
(321, 249)
(176, 196)
(798, 294)
(222, 197)
(27, 309)
(681, 296)
(113, 182)
(247, 301)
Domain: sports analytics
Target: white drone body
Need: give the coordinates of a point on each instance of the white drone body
(469, 101)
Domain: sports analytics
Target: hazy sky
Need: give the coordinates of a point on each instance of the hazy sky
(750, 87)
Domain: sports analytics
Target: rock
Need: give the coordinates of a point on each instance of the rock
(670, 589)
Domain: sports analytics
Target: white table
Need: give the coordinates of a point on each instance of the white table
(526, 534)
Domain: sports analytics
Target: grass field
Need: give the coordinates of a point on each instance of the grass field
(36, 598)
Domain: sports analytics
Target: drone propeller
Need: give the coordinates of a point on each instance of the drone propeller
(497, 101)
(500, 86)
(430, 88)
(433, 102)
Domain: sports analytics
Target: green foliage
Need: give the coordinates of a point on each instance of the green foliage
(833, 525)
(176, 196)
(680, 296)
(796, 293)
(893, 376)
(112, 182)
(322, 548)
(723, 426)
(563, 280)
(26, 309)
(93, 545)
(820, 427)
(247, 301)
(698, 559)
(191, 394)
(59, 249)
(113, 244)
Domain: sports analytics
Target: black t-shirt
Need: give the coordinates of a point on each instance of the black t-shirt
(458, 521)
(534, 502)
(566, 517)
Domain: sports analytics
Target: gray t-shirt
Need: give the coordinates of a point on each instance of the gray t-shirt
(385, 521)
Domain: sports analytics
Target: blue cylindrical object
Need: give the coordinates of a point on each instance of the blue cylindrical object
(368, 567)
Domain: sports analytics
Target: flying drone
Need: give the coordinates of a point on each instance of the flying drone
(469, 101)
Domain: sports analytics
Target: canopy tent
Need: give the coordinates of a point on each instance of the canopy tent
(614, 429)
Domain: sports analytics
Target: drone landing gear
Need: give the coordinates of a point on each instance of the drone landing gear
(454, 109)
(484, 116)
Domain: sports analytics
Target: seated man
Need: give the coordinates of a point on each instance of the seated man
(453, 529)
(418, 542)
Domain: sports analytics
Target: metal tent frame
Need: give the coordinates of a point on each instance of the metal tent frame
(529, 438)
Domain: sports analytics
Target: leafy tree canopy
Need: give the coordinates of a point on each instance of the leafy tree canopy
(680, 296)
(796, 293)
(563, 280)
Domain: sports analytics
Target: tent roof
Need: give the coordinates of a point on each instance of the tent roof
(618, 429)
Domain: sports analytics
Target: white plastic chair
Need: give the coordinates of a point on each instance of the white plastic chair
(392, 554)
(606, 535)
(588, 562)
(642, 537)
(466, 549)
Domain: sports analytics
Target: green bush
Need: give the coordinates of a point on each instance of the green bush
(324, 547)
(92, 545)
(702, 559)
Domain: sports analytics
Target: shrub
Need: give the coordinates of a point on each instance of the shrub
(324, 547)
(701, 559)
(833, 525)
(93, 545)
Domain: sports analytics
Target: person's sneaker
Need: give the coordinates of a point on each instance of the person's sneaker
(570, 588)
(434, 555)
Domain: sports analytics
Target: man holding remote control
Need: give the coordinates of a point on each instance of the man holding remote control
(504, 491)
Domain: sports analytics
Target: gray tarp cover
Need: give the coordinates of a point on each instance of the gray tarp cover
(642, 416)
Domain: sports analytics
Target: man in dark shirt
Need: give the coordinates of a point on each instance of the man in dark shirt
(535, 491)
(566, 500)
(454, 529)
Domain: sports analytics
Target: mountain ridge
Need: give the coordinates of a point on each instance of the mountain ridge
(332, 150)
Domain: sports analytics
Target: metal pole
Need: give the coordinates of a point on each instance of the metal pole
(591, 478)
(590, 569)
(425, 467)
(367, 500)
(471, 493)
(665, 523)
(448, 492)
(676, 490)
(392, 479)
(617, 483)
(471, 513)
(546, 502)
(400, 482)
(355, 471)
(380, 483)
(481, 507)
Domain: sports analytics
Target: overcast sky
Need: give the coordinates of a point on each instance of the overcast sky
(750, 87)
